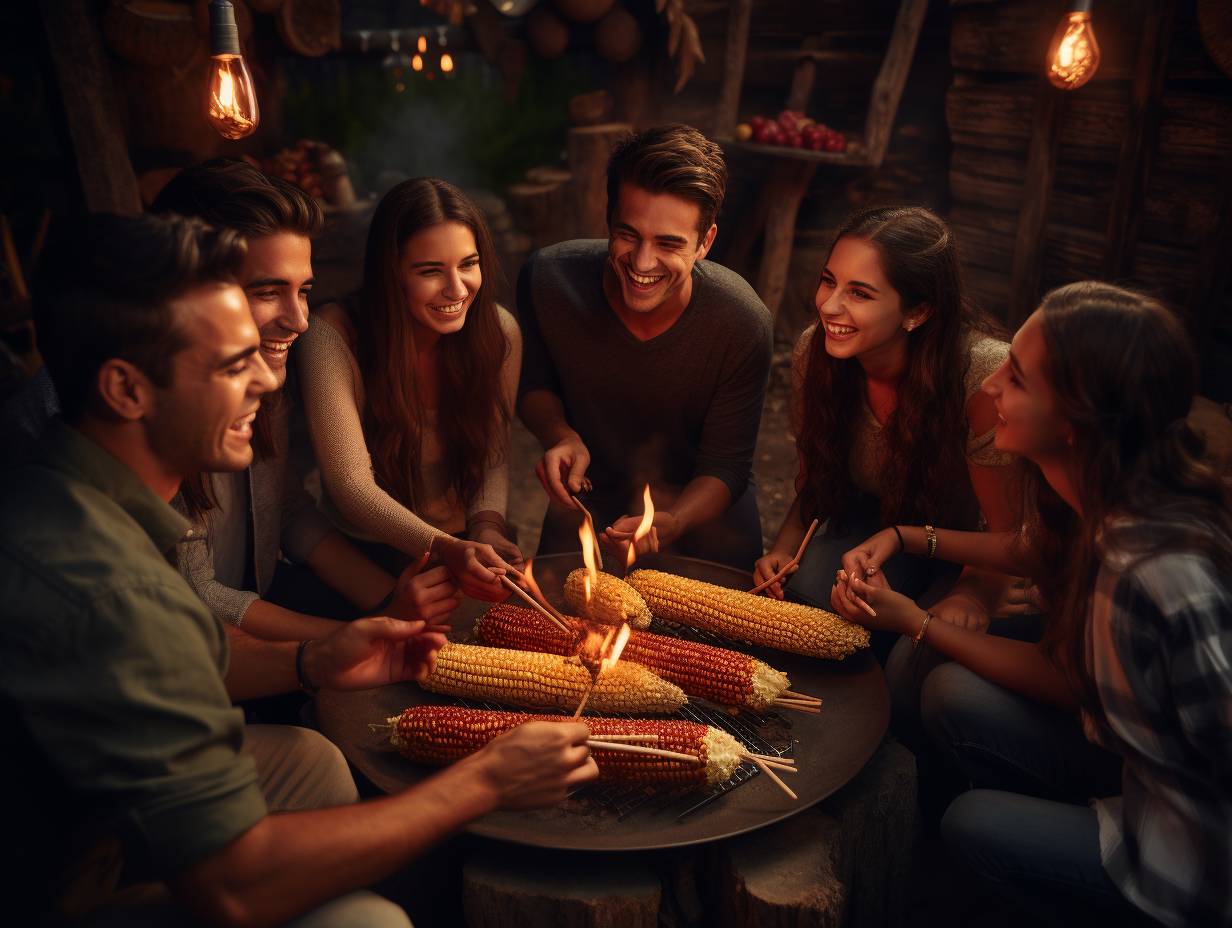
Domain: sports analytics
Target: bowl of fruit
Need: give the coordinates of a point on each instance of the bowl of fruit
(792, 129)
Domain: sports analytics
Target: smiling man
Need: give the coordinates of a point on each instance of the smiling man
(645, 363)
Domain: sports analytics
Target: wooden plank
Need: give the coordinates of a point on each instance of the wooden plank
(1041, 165)
(785, 189)
(888, 88)
(1137, 147)
(88, 102)
(725, 113)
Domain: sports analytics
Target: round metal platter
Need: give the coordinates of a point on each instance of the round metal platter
(829, 748)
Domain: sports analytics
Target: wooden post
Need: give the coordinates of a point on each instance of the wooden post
(1212, 281)
(785, 190)
(888, 88)
(725, 112)
(1138, 143)
(589, 149)
(1037, 190)
(91, 113)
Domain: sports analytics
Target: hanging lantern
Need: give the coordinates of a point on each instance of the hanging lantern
(1073, 56)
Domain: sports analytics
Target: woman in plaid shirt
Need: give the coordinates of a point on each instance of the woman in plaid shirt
(1131, 535)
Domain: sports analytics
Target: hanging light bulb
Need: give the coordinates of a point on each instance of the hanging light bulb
(422, 45)
(417, 63)
(231, 102)
(1073, 56)
(447, 62)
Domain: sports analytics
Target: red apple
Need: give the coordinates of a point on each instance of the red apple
(793, 139)
(757, 121)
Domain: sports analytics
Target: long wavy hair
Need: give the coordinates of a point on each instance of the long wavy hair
(1124, 374)
(471, 408)
(925, 436)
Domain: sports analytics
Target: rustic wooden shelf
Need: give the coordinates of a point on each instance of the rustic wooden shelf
(849, 158)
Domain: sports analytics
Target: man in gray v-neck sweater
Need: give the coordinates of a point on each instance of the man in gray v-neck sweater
(645, 363)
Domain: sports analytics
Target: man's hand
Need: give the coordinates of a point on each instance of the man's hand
(372, 652)
(769, 565)
(562, 470)
(429, 595)
(664, 529)
(535, 765)
(475, 568)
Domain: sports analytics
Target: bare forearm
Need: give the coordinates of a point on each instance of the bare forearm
(291, 863)
(983, 586)
(543, 413)
(791, 532)
(267, 621)
(259, 667)
(702, 500)
(1000, 552)
(341, 566)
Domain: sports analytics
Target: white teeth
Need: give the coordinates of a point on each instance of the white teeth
(834, 329)
(277, 346)
(642, 280)
(451, 309)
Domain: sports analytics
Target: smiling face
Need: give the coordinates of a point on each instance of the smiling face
(277, 278)
(861, 312)
(440, 274)
(1028, 422)
(202, 421)
(652, 248)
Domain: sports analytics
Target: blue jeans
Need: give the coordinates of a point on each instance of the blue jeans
(1026, 826)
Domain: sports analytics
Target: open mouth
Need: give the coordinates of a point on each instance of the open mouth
(834, 330)
(642, 282)
(450, 309)
(277, 348)
(243, 425)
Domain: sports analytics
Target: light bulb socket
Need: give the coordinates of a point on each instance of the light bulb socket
(224, 33)
(1081, 6)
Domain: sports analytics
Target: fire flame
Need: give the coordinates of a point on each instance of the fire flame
(618, 647)
(590, 546)
(643, 528)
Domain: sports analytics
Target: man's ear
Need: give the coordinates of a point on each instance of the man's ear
(918, 316)
(124, 391)
(703, 247)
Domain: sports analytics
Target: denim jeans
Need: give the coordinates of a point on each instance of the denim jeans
(1026, 826)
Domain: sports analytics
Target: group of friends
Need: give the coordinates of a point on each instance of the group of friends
(1031, 528)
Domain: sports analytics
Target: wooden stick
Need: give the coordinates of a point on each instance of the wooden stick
(593, 534)
(535, 604)
(638, 749)
(585, 697)
(761, 765)
(650, 738)
(793, 693)
(533, 589)
(785, 768)
(782, 571)
(794, 697)
(799, 707)
(773, 757)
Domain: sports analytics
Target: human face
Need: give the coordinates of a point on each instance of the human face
(652, 248)
(277, 278)
(861, 313)
(440, 276)
(1028, 422)
(202, 421)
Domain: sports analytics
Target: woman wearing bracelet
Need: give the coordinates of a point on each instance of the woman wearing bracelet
(1131, 534)
(409, 390)
(890, 421)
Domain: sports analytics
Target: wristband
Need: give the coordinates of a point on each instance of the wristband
(919, 636)
(299, 668)
(931, 534)
(902, 545)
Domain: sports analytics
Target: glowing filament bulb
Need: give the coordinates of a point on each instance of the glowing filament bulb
(446, 62)
(422, 45)
(417, 63)
(1073, 57)
(231, 104)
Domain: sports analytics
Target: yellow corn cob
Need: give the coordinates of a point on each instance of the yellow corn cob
(612, 600)
(702, 670)
(756, 619)
(441, 735)
(548, 681)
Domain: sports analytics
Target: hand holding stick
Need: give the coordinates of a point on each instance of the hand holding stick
(535, 604)
(790, 565)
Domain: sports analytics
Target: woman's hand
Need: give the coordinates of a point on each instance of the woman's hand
(489, 534)
(894, 612)
(429, 595)
(769, 565)
(963, 610)
(865, 560)
(476, 568)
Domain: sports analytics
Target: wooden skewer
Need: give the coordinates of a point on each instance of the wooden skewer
(785, 768)
(761, 765)
(773, 757)
(535, 604)
(793, 693)
(638, 749)
(792, 697)
(798, 702)
(647, 738)
(798, 706)
(783, 571)
(585, 698)
(593, 534)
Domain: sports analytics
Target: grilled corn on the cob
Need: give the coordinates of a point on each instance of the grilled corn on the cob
(612, 600)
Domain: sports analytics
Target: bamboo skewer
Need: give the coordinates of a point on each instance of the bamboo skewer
(782, 571)
(761, 765)
(586, 697)
(778, 760)
(639, 749)
(798, 706)
(593, 534)
(785, 768)
(535, 604)
(650, 739)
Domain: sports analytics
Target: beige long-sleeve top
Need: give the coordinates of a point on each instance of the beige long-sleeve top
(333, 393)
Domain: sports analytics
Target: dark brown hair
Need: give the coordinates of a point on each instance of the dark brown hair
(673, 159)
(925, 436)
(105, 289)
(471, 408)
(1124, 374)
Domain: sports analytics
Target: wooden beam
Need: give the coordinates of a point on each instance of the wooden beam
(1041, 167)
(1138, 144)
(728, 107)
(888, 88)
(784, 192)
(88, 101)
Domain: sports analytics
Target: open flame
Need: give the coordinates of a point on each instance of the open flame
(643, 528)
(528, 573)
(617, 648)
(590, 549)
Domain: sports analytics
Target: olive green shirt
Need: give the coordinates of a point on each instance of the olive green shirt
(112, 667)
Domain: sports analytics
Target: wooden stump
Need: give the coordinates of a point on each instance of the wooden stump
(843, 863)
(540, 206)
(589, 149)
(519, 888)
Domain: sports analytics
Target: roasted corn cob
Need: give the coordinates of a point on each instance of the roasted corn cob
(611, 601)
(756, 619)
(548, 681)
(440, 735)
(702, 670)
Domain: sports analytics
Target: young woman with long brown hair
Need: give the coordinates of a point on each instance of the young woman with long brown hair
(1130, 533)
(409, 390)
(888, 411)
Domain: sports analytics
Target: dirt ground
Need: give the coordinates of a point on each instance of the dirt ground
(774, 466)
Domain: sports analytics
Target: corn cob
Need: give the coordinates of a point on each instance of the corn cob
(611, 601)
(548, 681)
(722, 676)
(756, 619)
(441, 735)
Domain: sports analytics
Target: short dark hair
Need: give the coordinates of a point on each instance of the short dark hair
(233, 194)
(104, 289)
(675, 159)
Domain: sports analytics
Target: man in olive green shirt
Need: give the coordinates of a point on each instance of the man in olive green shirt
(116, 682)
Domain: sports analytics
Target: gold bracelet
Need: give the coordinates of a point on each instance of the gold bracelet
(919, 636)
(931, 534)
